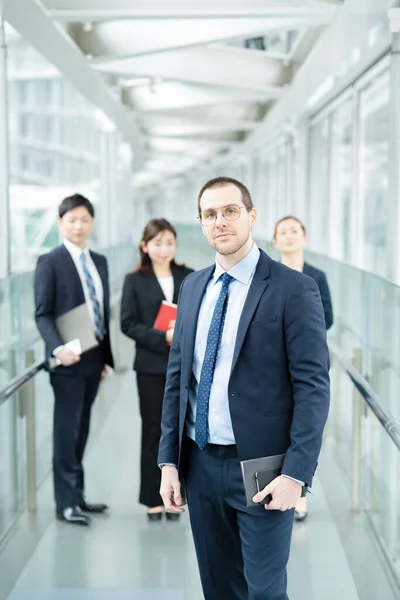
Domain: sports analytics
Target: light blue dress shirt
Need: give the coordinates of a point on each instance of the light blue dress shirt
(219, 419)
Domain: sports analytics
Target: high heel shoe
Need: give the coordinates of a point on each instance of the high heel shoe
(154, 516)
(170, 516)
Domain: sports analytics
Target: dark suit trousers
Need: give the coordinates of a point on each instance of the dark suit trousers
(151, 394)
(74, 394)
(242, 552)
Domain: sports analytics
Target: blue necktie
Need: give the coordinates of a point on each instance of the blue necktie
(98, 316)
(210, 359)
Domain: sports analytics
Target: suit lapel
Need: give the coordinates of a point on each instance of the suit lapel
(257, 288)
(154, 288)
(178, 275)
(190, 323)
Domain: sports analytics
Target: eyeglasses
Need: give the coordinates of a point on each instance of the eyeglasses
(230, 213)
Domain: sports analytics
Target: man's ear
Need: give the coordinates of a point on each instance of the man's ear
(254, 216)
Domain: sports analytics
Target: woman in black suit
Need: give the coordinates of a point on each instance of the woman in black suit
(157, 278)
(290, 238)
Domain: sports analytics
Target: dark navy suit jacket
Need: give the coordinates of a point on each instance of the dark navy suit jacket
(58, 289)
(321, 281)
(279, 383)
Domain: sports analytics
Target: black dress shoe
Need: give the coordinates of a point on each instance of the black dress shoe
(92, 508)
(154, 516)
(73, 515)
(172, 516)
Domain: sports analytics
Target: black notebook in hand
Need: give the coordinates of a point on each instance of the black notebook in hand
(258, 473)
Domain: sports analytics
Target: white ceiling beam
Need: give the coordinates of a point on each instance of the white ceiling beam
(168, 96)
(102, 10)
(185, 146)
(197, 129)
(29, 19)
(214, 66)
(111, 41)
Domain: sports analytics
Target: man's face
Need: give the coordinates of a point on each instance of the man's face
(226, 236)
(76, 226)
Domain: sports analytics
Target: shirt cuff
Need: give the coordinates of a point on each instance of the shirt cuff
(58, 361)
(294, 479)
(161, 465)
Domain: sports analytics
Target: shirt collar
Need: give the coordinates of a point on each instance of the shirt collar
(243, 270)
(74, 250)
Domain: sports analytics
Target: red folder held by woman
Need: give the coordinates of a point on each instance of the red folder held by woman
(166, 314)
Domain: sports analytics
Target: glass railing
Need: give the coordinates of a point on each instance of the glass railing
(26, 414)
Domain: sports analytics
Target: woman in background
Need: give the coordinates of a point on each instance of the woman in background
(290, 239)
(158, 277)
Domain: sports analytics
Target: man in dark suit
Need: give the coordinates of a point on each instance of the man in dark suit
(65, 278)
(247, 378)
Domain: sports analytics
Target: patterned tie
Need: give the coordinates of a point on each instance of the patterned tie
(210, 359)
(98, 316)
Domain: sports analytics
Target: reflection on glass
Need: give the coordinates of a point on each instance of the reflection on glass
(319, 200)
(341, 180)
(374, 172)
(54, 149)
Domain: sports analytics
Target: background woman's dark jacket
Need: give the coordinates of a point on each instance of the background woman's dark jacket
(141, 299)
(320, 279)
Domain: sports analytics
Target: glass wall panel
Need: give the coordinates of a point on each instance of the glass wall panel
(374, 126)
(318, 205)
(54, 149)
(341, 181)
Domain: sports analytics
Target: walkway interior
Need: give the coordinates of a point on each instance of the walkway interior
(122, 556)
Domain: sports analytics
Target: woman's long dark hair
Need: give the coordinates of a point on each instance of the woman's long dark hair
(152, 229)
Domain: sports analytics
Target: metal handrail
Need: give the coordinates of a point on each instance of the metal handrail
(391, 425)
(16, 383)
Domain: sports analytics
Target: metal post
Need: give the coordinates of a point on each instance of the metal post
(357, 436)
(28, 398)
(4, 159)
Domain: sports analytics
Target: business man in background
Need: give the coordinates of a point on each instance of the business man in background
(247, 378)
(65, 278)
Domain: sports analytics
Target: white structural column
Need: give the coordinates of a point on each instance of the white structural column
(4, 158)
(393, 245)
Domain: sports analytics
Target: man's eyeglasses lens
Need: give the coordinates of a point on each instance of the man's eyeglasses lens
(230, 213)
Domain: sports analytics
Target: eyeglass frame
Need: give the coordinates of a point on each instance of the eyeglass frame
(216, 216)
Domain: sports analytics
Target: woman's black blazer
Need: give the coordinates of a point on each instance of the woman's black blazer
(141, 299)
(320, 279)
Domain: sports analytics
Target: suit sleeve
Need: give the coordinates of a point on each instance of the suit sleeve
(131, 326)
(168, 451)
(308, 362)
(326, 300)
(44, 290)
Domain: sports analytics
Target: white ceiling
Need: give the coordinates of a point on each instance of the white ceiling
(184, 70)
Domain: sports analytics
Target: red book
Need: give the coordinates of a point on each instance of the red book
(166, 313)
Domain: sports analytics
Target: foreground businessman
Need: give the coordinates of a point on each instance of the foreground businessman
(247, 378)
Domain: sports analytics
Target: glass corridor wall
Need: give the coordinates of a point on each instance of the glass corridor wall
(59, 144)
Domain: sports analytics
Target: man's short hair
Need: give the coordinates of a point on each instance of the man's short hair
(74, 201)
(223, 182)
